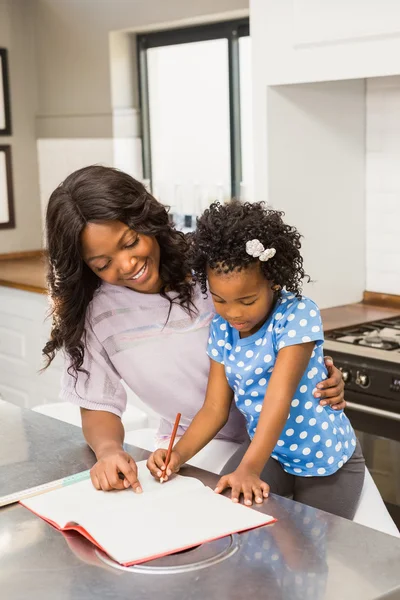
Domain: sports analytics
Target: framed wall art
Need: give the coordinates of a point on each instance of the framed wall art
(7, 213)
(5, 108)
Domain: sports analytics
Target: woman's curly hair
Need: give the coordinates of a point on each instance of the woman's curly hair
(219, 243)
(99, 194)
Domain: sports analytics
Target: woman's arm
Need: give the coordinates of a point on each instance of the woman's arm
(209, 420)
(102, 430)
(105, 433)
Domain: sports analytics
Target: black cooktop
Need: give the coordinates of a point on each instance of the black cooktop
(383, 334)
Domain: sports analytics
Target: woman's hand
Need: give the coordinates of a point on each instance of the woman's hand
(246, 482)
(331, 390)
(156, 464)
(115, 470)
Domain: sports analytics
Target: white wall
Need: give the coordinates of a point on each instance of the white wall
(299, 41)
(87, 85)
(73, 45)
(315, 137)
(383, 185)
(60, 156)
(17, 35)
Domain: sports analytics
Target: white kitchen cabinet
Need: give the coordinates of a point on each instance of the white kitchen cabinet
(300, 41)
(24, 330)
(309, 63)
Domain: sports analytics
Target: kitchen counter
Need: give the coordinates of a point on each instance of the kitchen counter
(354, 314)
(27, 271)
(306, 554)
(24, 271)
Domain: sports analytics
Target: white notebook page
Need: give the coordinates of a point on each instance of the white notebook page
(74, 503)
(135, 527)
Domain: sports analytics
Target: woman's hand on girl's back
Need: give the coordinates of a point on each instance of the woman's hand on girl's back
(115, 470)
(244, 481)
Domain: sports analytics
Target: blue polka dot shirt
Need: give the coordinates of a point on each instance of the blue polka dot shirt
(316, 440)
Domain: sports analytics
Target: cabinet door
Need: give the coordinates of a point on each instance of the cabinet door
(24, 329)
(299, 41)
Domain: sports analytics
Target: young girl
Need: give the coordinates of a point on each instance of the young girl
(266, 354)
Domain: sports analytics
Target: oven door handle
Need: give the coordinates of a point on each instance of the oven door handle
(378, 412)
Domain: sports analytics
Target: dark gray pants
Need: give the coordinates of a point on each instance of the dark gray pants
(338, 493)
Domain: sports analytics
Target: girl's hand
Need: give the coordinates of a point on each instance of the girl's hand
(244, 481)
(156, 464)
(331, 390)
(115, 470)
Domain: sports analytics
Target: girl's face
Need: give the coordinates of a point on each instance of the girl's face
(243, 298)
(121, 256)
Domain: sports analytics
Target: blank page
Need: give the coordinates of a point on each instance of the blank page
(173, 523)
(75, 502)
(133, 528)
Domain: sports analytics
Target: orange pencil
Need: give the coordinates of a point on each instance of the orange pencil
(171, 443)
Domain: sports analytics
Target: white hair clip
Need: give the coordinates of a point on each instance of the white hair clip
(257, 250)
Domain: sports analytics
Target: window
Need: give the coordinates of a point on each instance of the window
(195, 93)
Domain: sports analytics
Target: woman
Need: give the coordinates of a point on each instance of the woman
(125, 308)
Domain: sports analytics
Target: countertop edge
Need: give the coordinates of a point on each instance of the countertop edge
(24, 287)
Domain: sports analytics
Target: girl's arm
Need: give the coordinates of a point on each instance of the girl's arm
(211, 417)
(288, 370)
(205, 425)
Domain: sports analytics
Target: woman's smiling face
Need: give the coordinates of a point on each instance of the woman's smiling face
(122, 256)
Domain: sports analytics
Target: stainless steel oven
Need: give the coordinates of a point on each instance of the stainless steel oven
(369, 357)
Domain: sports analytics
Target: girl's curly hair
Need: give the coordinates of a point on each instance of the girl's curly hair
(99, 194)
(219, 243)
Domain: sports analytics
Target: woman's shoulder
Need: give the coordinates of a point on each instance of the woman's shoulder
(119, 302)
(106, 293)
(109, 300)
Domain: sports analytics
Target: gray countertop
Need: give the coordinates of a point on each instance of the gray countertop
(306, 554)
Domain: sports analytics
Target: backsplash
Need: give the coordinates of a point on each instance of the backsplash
(383, 185)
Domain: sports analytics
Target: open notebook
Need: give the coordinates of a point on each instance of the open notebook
(132, 528)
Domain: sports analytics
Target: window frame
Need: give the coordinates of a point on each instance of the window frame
(230, 30)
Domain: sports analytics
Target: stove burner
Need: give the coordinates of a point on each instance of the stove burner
(380, 335)
(377, 342)
(369, 357)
